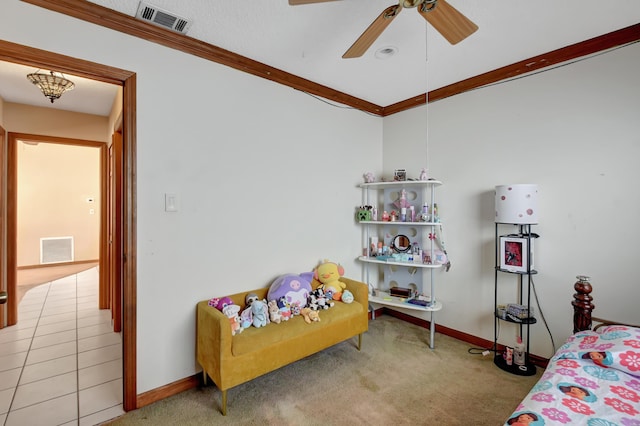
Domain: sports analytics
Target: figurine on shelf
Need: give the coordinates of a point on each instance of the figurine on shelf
(385, 216)
(423, 174)
(369, 177)
(402, 202)
(424, 216)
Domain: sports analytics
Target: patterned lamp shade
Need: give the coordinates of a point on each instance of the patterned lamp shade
(517, 204)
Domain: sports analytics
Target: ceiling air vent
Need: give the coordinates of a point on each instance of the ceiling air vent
(162, 18)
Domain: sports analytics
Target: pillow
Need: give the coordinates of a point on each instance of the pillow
(294, 288)
(614, 346)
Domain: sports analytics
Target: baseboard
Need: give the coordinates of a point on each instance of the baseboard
(168, 390)
(49, 265)
(182, 385)
(459, 335)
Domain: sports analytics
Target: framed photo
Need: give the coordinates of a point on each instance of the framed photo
(400, 175)
(515, 254)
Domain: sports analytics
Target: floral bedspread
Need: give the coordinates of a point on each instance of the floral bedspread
(593, 380)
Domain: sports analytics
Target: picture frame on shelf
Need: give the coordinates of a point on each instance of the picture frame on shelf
(400, 175)
(515, 254)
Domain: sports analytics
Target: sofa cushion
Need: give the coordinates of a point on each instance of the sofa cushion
(258, 338)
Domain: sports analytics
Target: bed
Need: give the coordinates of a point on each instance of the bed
(593, 379)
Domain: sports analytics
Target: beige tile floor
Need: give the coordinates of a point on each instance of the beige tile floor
(62, 363)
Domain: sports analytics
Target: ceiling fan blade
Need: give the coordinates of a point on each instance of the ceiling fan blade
(446, 19)
(372, 32)
(297, 2)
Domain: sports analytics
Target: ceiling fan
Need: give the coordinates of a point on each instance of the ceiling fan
(446, 19)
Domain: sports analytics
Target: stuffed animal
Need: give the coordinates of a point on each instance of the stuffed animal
(246, 317)
(329, 273)
(274, 312)
(318, 300)
(310, 315)
(236, 326)
(232, 311)
(260, 313)
(250, 298)
(295, 309)
(285, 309)
(295, 288)
(347, 296)
(220, 302)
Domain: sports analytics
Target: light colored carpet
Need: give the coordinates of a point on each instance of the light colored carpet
(395, 380)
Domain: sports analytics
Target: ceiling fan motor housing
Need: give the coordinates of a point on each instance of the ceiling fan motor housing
(428, 4)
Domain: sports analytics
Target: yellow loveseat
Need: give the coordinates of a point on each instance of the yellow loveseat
(231, 360)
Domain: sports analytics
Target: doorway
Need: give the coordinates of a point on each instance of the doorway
(60, 209)
(26, 55)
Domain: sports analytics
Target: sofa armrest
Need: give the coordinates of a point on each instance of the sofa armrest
(213, 339)
(359, 290)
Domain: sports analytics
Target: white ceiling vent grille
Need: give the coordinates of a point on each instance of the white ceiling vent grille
(162, 18)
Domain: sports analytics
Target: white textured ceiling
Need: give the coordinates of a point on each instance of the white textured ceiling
(309, 40)
(88, 96)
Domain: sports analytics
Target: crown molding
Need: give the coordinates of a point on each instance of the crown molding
(114, 20)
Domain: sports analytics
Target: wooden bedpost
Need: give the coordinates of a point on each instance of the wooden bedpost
(582, 305)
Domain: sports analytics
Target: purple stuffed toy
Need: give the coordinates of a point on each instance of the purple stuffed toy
(294, 288)
(220, 302)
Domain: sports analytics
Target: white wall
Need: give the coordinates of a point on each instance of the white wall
(574, 131)
(266, 176)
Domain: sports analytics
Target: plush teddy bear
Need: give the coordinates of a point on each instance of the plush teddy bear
(274, 312)
(310, 315)
(329, 273)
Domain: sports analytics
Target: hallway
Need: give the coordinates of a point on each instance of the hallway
(62, 363)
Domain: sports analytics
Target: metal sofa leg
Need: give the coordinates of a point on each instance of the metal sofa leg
(224, 403)
(359, 341)
(204, 378)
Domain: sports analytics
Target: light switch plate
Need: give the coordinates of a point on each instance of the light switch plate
(171, 202)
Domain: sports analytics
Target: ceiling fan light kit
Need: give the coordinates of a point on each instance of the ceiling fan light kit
(446, 19)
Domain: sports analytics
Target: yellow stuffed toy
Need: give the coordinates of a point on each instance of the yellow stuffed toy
(329, 273)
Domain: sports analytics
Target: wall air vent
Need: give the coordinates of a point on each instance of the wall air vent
(162, 18)
(56, 250)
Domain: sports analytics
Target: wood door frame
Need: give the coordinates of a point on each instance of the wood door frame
(16, 53)
(3, 247)
(113, 231)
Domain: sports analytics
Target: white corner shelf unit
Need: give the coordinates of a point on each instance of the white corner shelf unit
(407, 270)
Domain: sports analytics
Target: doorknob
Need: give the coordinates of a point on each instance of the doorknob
(3, 297)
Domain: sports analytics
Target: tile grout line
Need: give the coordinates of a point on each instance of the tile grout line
(51, 294)
(24, 363)
(77, 359)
